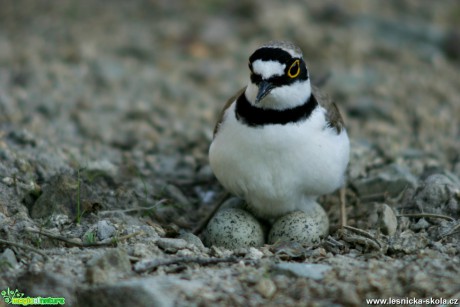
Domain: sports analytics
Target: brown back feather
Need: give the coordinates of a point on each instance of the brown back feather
(333, 117)
(226, 106)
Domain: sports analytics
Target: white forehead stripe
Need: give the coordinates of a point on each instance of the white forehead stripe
(268, 69)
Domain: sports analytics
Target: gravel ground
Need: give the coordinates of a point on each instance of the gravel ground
(106, 115)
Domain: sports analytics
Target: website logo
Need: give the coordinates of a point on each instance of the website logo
(17, 298)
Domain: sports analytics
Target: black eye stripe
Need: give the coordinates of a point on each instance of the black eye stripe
(255, 78)
(281, 80)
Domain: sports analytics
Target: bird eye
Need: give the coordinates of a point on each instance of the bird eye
(294, 70)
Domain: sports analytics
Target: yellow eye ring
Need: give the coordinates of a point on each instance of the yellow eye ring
(294, 65)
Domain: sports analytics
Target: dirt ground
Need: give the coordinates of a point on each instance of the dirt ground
(106, 115)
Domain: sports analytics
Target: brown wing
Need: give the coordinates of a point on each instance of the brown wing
(227, 105)
(333, 117)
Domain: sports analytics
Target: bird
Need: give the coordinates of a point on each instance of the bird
(278, 144)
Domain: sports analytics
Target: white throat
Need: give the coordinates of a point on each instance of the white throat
(283, 97)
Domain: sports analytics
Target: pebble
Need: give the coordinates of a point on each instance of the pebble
(3, 220)
(438, 194)
(8, 181)
(392, 179)
(102, 166)
(62, 195)
(59, 220)
(266, 287)
(388, 221)
(172, 245)
(407, 242)
(143, 250)
(254, 254)
(132, 292)
(290, 249)
(421, 224)
(349, 295)
(234, 228)
(8, 257)
(308, 228)
(110, 265)
(105, 230)
(193, 240)
(308, 270)
(48, 284)
(23, 137)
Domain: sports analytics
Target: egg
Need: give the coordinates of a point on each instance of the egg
(302, 227)
(234, 228)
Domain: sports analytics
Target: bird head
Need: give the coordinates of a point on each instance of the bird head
(279, 77)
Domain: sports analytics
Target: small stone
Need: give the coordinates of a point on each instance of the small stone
(266, 287)
(109, 266)
(308, 270)
(172, 245)
(8, 260)
(138, 292)
(185, 253)
(162, 291)
(233, 228)
(160, 231)
(143, 250)
(393, 179)
(49, 284)
(221, 252)
(23, 137)
(407, 242)
(387, 220)
(105, 230)
(254, 254)
(66, 194)
(192, 239)
(104, 167)
(349, 295)
(438, 194)
(3, 220)
(289, 249)
(423, 281)
(59, 220)
(8, 181)
(421, 224)
(308, 228)
(149, 230)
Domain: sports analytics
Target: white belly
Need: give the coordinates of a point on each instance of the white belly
(279, 168)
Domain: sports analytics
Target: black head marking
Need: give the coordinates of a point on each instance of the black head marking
(254, 116)
(270, 54)
(282, 56)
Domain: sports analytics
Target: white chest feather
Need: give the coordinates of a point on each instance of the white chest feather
(279, 168)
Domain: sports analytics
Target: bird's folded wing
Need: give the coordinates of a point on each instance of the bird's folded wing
(333, 117)
(227, 105)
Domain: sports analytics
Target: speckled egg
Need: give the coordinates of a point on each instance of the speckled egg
(234, 228)
(303, 227)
